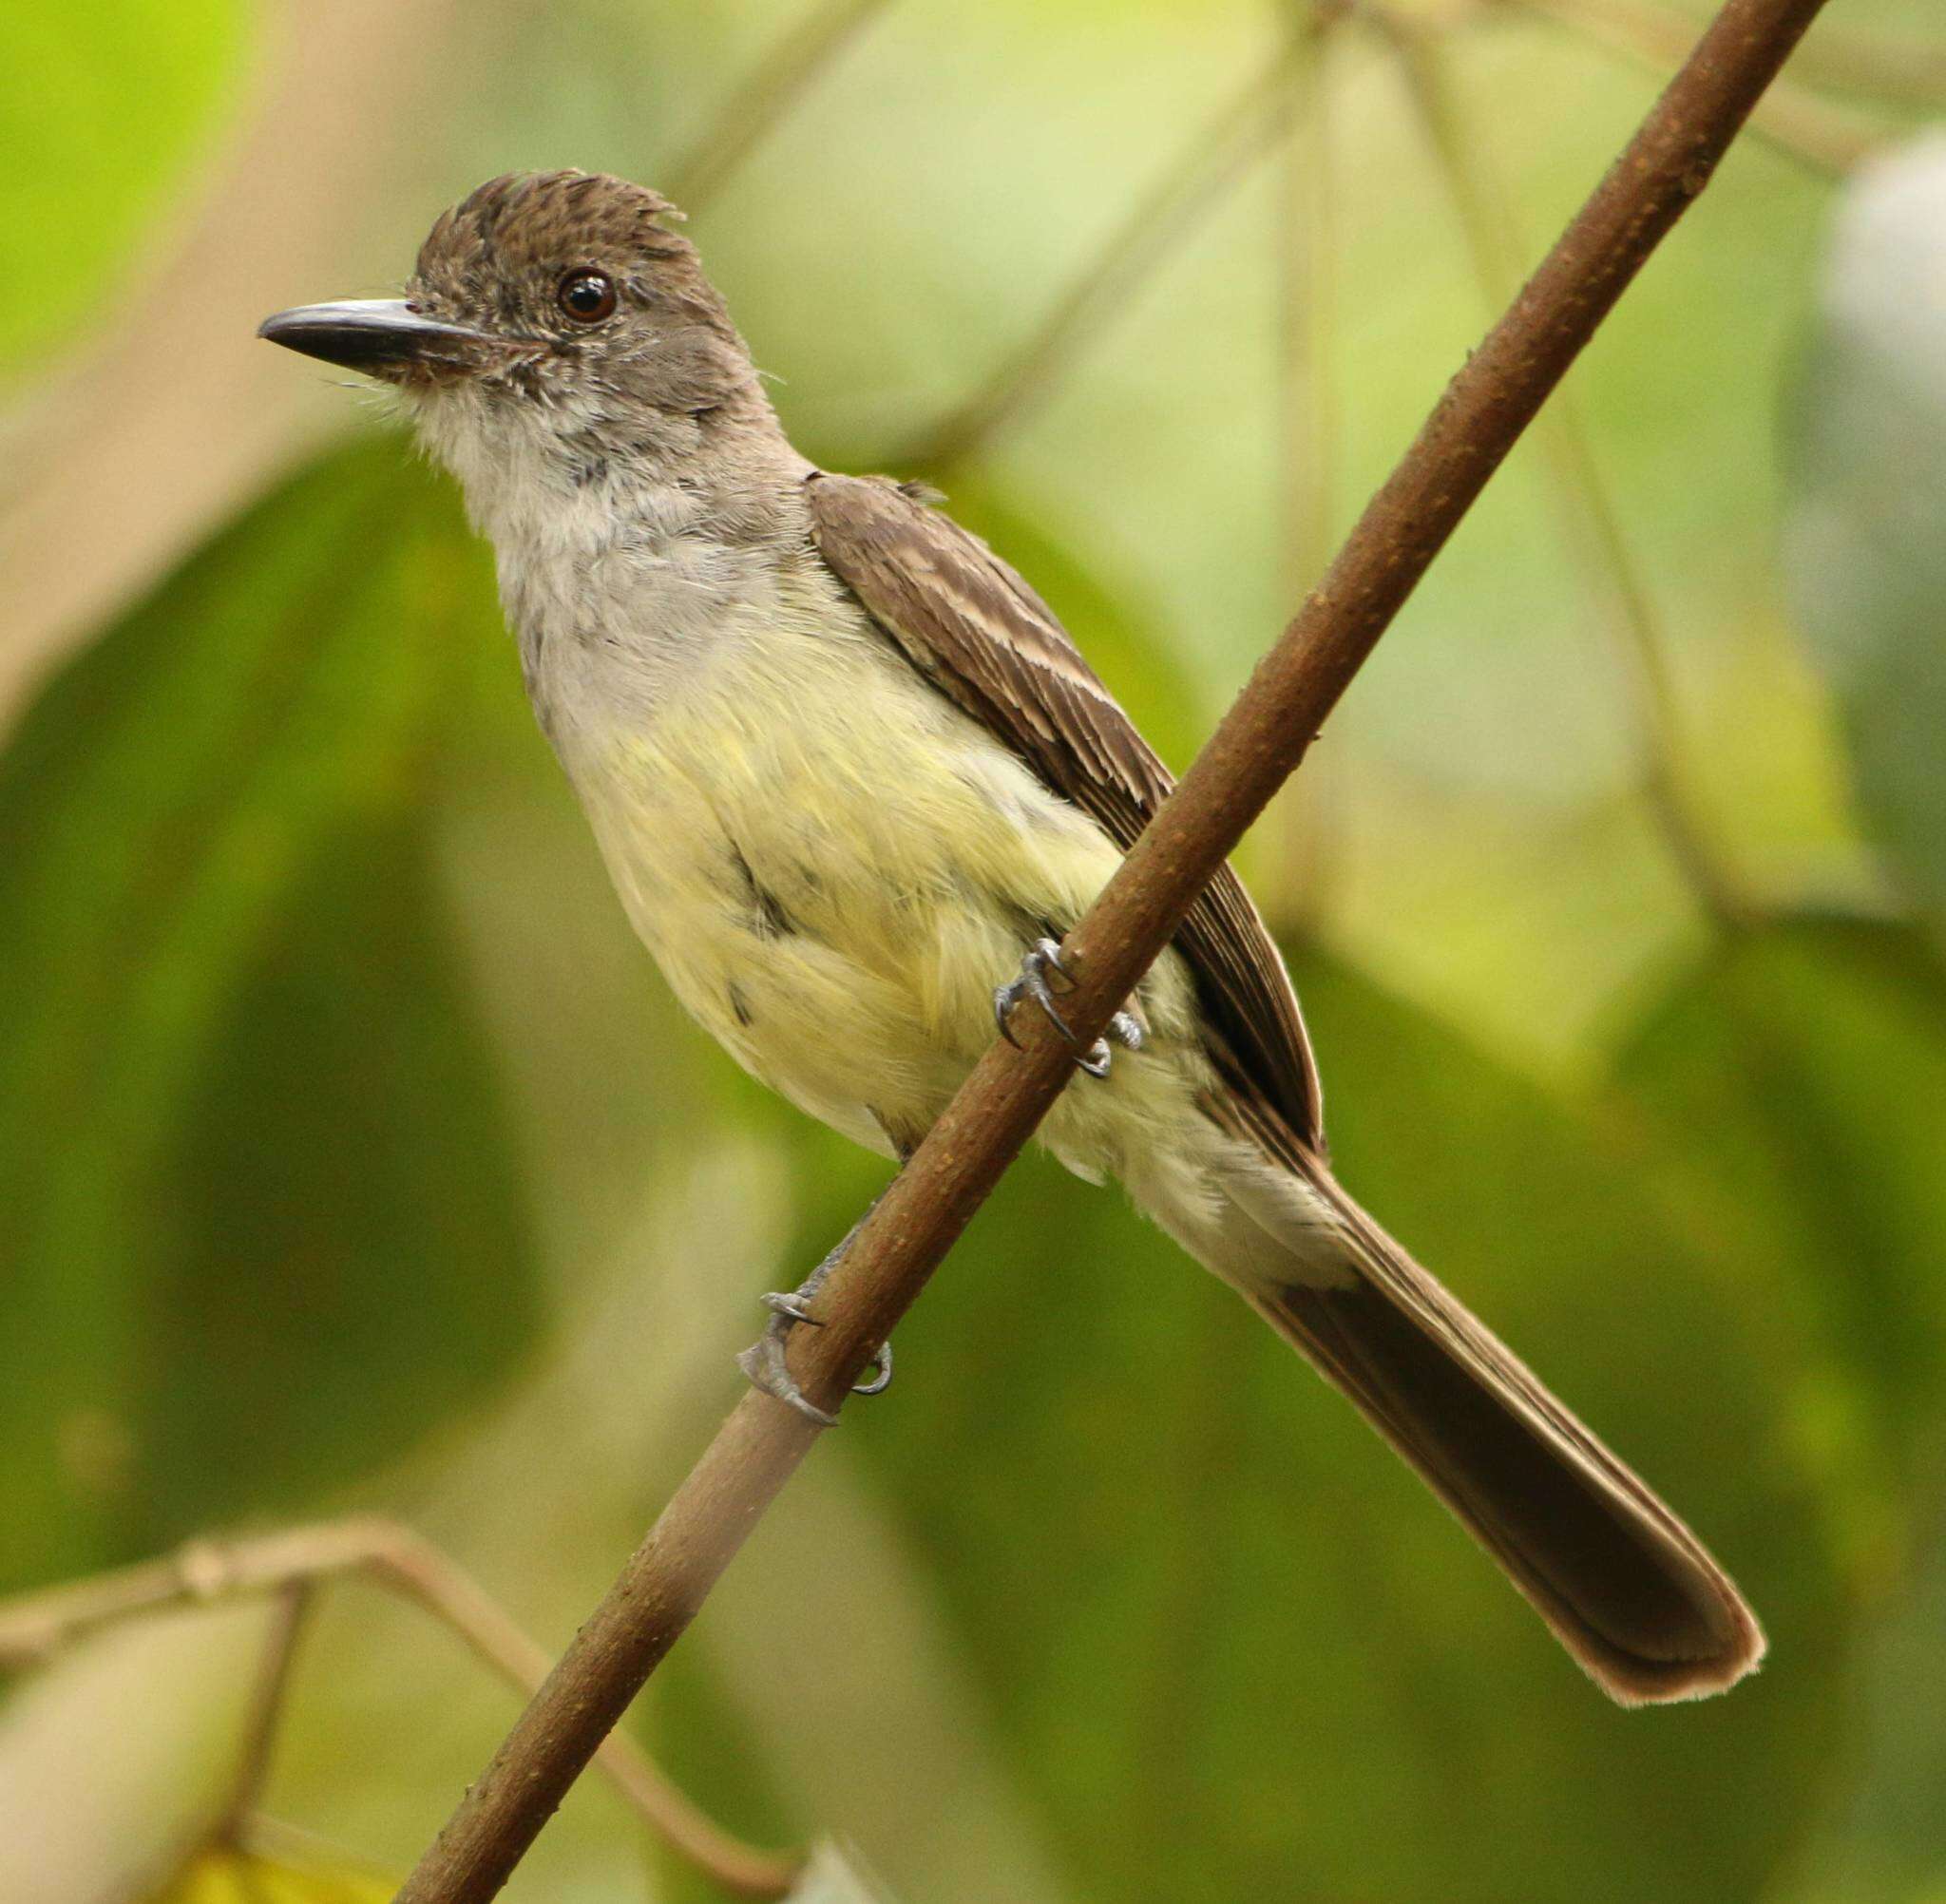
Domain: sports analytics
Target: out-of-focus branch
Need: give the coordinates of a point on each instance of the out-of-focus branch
(1903, 72)
(1482, 412)
(1592, 527)
(1799, 123)
(290, 1565)
(279, 1840)
(1300, 827)
(1306, 244)
(1213, 159)
(279, 1655)
(757, 106)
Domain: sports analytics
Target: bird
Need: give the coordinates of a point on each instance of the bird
(853, 783)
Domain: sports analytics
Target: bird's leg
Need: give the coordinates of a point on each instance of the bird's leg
(1043, 957)
(763, 1361)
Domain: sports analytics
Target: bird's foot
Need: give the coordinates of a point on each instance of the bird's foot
(764, 1361)
(1043, 957)
(1122, 1030)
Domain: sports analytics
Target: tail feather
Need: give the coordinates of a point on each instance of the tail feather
(1631, 1593)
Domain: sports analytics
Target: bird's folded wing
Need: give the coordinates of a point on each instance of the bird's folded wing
(975, 630)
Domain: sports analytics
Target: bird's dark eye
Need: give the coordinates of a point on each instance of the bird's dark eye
(586, 295)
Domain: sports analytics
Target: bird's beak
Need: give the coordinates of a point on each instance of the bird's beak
(383, 338)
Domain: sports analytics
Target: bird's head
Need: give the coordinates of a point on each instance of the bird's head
(550, 311)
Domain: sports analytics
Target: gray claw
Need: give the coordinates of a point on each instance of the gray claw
(1042, 958)
(1123, 1030)
(882, 1379)
(763, 1362)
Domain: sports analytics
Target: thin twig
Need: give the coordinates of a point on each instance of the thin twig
(259, 1835)
(756, 107)
(1901, 72)
(1308, 236)
(288, 1564)
(1261, 740)
(293, 1602)
(1589, 518)
(1795, 122)
(1215, 159)
(421, 1570)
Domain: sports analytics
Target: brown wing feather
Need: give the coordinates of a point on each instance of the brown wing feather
(982, 635)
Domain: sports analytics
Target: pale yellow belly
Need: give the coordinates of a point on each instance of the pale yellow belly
(834, 868)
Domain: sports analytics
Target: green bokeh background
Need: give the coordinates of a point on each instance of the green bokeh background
(353, 1157)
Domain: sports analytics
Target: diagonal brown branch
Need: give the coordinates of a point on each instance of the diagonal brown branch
(1260, 742)
(290, 1565)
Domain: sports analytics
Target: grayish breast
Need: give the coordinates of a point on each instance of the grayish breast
(628, 567)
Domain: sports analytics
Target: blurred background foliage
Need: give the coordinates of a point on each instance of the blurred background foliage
(351, 1155)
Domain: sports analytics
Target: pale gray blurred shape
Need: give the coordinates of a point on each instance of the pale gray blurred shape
(1885, 275)
(114, 1757)
(831, 1877)
(1865, 537)
(1879, 388)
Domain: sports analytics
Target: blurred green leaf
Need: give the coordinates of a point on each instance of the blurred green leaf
(1793, 1078)
(105, 105)
(1790, 1080)
(1232, 1647)
(1883, 1844)
(1863, 546)
(347, 1218)
(204, 804)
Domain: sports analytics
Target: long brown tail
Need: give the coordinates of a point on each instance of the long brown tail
(1631, 1593)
